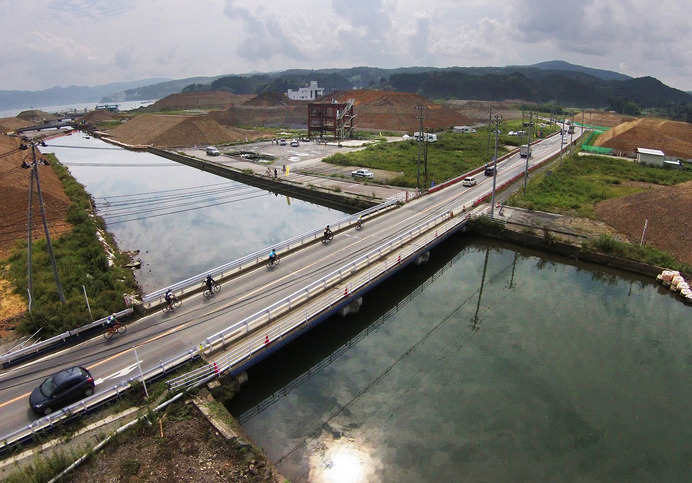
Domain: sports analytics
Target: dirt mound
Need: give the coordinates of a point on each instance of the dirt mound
(269, 99)
(99, 115)
(34, 116)
(672, 137)
(479, 111)
(196, 100)
(396, 111)
(667, 208)
(12, 123)
(177, 130)
(602, 118)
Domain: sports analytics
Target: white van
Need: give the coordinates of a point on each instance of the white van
(431, 138)
(469, 181)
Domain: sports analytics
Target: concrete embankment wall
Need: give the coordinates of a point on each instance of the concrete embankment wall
(574, 251)
(339, 201)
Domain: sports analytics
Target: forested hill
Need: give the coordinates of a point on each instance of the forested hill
(550, 82)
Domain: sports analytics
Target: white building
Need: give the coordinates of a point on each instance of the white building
(309, 93)
(653, 157)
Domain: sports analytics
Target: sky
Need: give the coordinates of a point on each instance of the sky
(50, 43)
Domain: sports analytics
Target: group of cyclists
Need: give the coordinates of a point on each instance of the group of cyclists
(212, 286)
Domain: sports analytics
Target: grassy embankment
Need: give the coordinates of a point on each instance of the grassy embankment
(579, 183)
(452, 155)
(81, 260)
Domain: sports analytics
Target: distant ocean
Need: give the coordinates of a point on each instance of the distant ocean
(83, 107)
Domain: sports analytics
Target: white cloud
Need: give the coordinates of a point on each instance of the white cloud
(89, 42)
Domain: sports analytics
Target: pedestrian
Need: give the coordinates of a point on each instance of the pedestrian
(276, 173)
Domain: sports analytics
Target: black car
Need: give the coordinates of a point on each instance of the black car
(61, 389)
(489, 170)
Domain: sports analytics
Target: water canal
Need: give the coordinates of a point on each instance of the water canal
(490, 363)
(182, 220)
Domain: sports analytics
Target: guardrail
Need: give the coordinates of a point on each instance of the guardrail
(92, 402)
(261, 255)
(37, 347)
(312, 300)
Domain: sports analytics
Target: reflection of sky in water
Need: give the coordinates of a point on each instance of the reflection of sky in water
(575, 374)
(220, 228)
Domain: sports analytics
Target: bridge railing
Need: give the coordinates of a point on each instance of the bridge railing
(313, 300)
(259, 340)
(261, 255)
(37, 347)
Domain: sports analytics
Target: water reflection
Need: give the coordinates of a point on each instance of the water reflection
(571, 378)
(184, 221)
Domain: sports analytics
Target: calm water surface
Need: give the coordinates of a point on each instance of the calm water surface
(183, 221)
(487, 364)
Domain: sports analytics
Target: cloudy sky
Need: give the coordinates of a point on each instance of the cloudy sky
(91, 42)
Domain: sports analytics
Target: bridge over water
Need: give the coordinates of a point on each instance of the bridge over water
(259, 309)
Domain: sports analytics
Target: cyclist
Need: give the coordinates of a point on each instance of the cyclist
(169, 298)
(111, 321)
(272, 256)
(328, 233)
(210, 283)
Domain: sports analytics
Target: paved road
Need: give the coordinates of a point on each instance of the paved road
(160, 336)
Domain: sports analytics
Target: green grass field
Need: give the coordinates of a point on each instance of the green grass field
(582, 181)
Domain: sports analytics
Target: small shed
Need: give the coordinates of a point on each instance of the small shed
(653, 157)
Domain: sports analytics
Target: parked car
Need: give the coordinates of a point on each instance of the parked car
(294, 143)
(282, 142)
(362, 173)
(61, 389)
(469, 181)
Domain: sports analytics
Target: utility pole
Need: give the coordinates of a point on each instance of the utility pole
(490, 122)
(45, 226)
(420, 117)
(492, 197)
(425, 163)
(528, 152)
(29, 277)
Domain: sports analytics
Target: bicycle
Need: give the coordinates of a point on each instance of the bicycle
(273, 261)
(214, 289)
(114, 329)
(174, 304)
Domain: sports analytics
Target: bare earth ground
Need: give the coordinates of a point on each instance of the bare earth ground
(14, 198)
(166, 451)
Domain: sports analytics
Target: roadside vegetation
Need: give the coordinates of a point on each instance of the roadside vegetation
(452, 155)
(575, 186)
(82, 264)
(640, 253)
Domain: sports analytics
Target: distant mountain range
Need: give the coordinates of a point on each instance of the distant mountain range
(555, 82)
